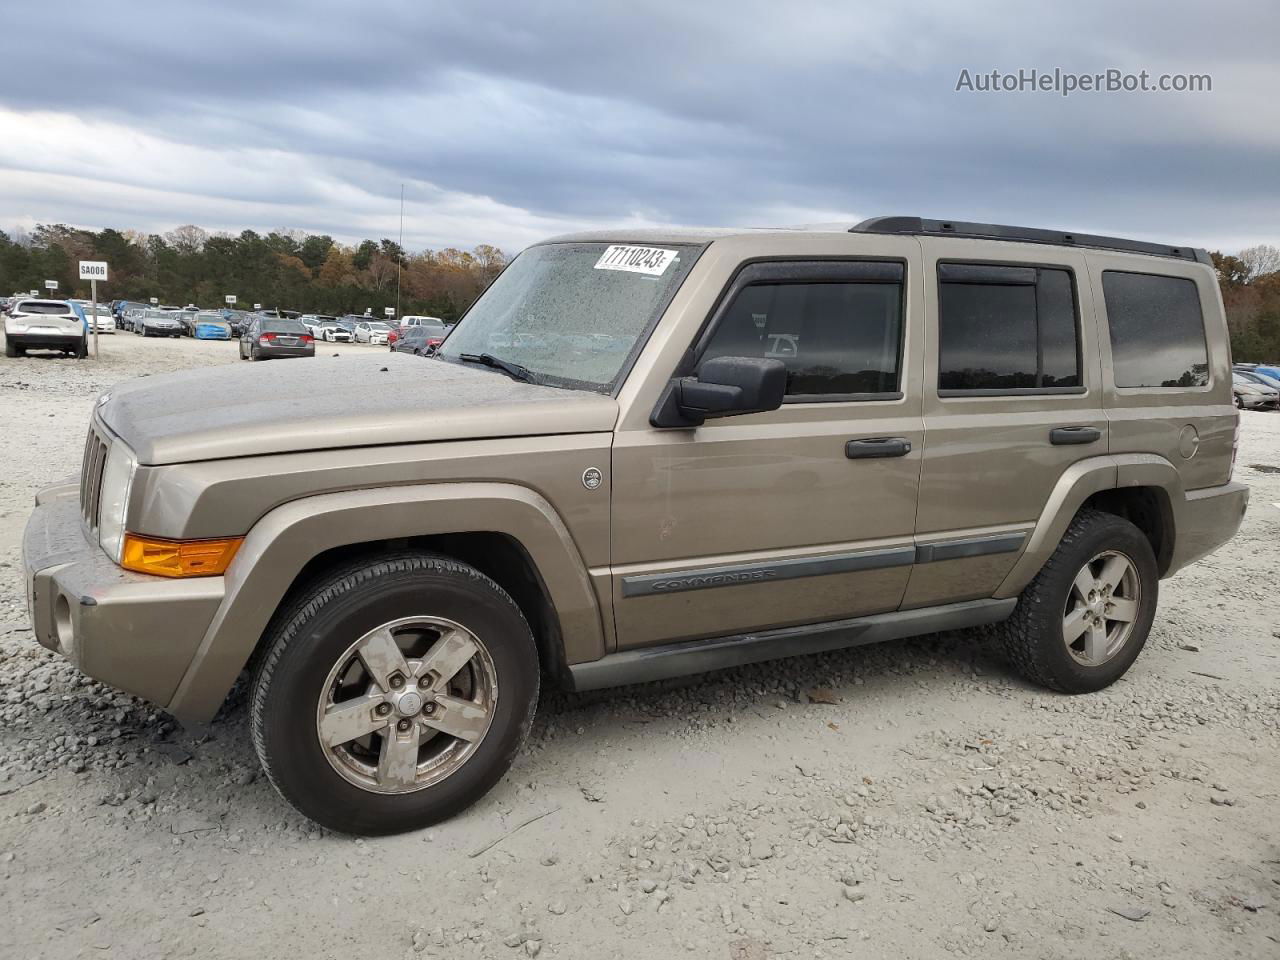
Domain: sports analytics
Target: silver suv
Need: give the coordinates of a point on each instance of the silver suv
(645, 454)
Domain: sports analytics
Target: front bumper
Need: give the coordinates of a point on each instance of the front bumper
(129, 630)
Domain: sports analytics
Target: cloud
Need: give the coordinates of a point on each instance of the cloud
(513, 121)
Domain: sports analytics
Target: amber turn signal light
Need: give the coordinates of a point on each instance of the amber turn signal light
(178, 558)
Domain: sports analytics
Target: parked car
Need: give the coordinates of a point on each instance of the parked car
(314, 321)
(1260, 377)
(435, 325)
(740, 474)
(1268, 369)
(158, 323)
(331, 331)
(372, 331)
(100, 318)
(38, 324)
(270, 338)
(210, 325)
(1252, 394)
(417, 341)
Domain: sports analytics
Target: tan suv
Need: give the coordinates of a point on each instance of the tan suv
(644, 454)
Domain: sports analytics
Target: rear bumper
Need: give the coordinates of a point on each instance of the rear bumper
(129, 630)
(46, 341)
(1205, 520)
(276, 353)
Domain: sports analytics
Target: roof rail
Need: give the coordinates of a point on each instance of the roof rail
(994, 231)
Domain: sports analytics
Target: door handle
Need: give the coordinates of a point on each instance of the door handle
(1065, 436)
(877, 447)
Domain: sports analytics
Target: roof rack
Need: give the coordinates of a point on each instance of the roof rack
(994, 231)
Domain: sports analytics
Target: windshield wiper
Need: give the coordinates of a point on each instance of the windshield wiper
(513, 370)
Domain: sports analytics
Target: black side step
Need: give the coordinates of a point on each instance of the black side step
(699, 656)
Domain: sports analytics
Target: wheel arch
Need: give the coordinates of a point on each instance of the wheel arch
(1141, 488)
(509, 532)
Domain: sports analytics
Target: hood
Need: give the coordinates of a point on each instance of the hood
(329, 402)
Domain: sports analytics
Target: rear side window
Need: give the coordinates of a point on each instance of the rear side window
(836, 339)
(1157, 330)
(1006, 328)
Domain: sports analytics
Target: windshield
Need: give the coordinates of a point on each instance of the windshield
(572, 313)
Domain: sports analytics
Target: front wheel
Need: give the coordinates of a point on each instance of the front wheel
(1081, 623)
(395, 692)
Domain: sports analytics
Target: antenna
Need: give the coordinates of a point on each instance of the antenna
(399, 253)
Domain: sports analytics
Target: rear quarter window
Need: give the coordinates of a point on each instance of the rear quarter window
(1157, 330)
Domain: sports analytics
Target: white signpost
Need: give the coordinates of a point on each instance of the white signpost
(257, 306)
(51, 284)
(154, 301)
(389, 311)
(93, 271)
(231, 299)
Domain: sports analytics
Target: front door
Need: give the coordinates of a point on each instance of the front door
(799, 515)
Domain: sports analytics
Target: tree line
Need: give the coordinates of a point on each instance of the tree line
(1250, 283)
(285, 268)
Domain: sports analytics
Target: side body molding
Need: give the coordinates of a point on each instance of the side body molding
(281, 543)
(1079, 482)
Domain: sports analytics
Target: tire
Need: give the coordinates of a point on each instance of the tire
(315, 634)
(1034, 637)
(253, 354)
(12, 349)
(82, 351)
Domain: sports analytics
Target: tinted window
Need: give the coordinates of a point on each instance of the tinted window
(1006, 328)
(1157, 330)
(35, 307)
(835, 338)
(283, 326)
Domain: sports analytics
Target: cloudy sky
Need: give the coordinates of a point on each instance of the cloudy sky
(509, 121)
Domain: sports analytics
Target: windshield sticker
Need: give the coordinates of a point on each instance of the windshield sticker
(648, 260)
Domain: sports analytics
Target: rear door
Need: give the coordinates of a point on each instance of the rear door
(799, 515)
(1012, 398)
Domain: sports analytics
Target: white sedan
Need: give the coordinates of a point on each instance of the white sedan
(372, 331)
(103, 321)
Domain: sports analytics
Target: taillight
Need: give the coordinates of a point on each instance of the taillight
(434, 341)
(267, 338)
(306, 338)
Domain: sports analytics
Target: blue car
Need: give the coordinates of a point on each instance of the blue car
(1272, 372)
(210, 326)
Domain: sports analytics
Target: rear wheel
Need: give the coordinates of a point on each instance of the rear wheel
(11, 349)
(394, 693)
(1081, 623)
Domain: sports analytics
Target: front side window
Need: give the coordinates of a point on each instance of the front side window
(1006, 328)
(836, 338)
(1157, 330)
(572, 314)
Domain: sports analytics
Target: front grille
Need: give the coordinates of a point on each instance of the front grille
(95, 458)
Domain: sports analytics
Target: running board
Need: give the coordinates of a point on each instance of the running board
(699, 656)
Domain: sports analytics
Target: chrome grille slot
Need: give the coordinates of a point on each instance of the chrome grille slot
(95, 458)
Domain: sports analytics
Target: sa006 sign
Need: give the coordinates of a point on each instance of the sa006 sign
(93, 270)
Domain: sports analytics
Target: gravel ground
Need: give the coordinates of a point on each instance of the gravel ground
(909, 800)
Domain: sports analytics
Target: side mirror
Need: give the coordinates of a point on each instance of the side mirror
(723, 387)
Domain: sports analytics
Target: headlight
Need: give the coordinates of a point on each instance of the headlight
(117, 478)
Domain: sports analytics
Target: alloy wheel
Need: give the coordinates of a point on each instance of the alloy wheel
(407, 704)
(1101, 608)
